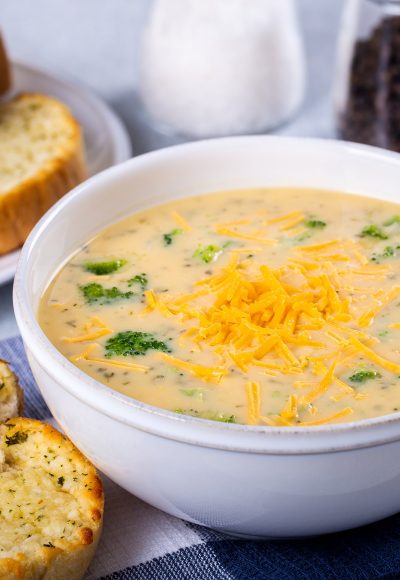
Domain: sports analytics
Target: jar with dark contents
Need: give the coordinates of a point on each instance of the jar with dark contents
(367, 94)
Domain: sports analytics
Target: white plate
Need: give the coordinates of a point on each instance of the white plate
(106, 139)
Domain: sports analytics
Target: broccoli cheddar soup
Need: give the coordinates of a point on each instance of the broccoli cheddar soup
(266, 307)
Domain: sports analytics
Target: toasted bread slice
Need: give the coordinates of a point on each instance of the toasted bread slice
(5, 71)
(11, 394)
(41, 158)
(51, 504)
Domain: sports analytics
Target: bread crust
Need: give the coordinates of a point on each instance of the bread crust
(18, 392)
(63, 559)
(5, 71)
(23, 205)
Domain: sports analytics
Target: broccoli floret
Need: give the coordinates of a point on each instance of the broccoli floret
(393, 220)
(133, 343)
(208, 253)
(388, 252)
(97, 293)
(364, 376)
(374, 231)
(316, 224)
(140, 279)
(101, 268)
(168, 238)
(300, 238)
(210, 415)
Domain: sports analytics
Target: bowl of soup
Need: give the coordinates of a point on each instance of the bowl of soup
(217, 327)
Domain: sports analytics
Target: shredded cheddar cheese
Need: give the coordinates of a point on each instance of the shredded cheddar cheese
(180, 220)
(89, 336)
(331, 419)
(253, 390)
(264, 317)
(86, 356)
(241, 236)
(213, 375)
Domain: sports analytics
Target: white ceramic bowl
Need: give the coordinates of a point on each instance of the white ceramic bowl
(249, 481)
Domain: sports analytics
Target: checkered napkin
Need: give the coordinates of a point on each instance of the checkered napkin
(142, 543)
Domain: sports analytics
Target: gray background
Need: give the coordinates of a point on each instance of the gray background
(96, 43)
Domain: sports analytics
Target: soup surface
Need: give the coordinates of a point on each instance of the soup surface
(267, 307)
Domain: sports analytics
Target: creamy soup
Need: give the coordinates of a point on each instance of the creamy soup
(266, 307)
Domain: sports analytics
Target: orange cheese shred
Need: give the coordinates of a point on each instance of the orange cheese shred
(374, 357)
(294, 215)
(253, 391)
(251, 238)
(180, 220)
(86, 356)
(332, 418)
(323, 385)
(289, 412)
(119, 364)
(211, 374)
(86, 337)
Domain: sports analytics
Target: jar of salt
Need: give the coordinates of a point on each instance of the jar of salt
(220, 67)
(368, 77)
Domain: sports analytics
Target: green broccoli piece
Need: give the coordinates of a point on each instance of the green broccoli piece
(364, 376)
(208, 253)
(388, 252)
(300, 238)
(133, 343)
(373, 231)
(94, 292)
(210, 415)
(140, 279)
(191, 392)
(393, 220)
(168, 238)
(223, 418)
(101, 268)
(315, 224)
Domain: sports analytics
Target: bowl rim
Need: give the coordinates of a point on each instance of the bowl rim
(38, 343)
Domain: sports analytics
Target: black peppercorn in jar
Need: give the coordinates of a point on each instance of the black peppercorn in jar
(368, 84)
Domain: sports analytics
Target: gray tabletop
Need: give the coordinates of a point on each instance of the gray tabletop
(97, 42)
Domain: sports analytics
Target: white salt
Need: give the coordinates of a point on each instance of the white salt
(218, 67)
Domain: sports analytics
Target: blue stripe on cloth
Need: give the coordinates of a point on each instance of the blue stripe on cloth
(368, 553)
(12, 351)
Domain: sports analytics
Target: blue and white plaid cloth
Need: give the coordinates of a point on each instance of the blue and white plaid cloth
(142, 543)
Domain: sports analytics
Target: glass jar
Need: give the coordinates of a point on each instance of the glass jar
(221, 67)
(5, 69)
(367, 98)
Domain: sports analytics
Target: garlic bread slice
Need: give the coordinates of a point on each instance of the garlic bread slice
(41, 159)
(51, 504)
